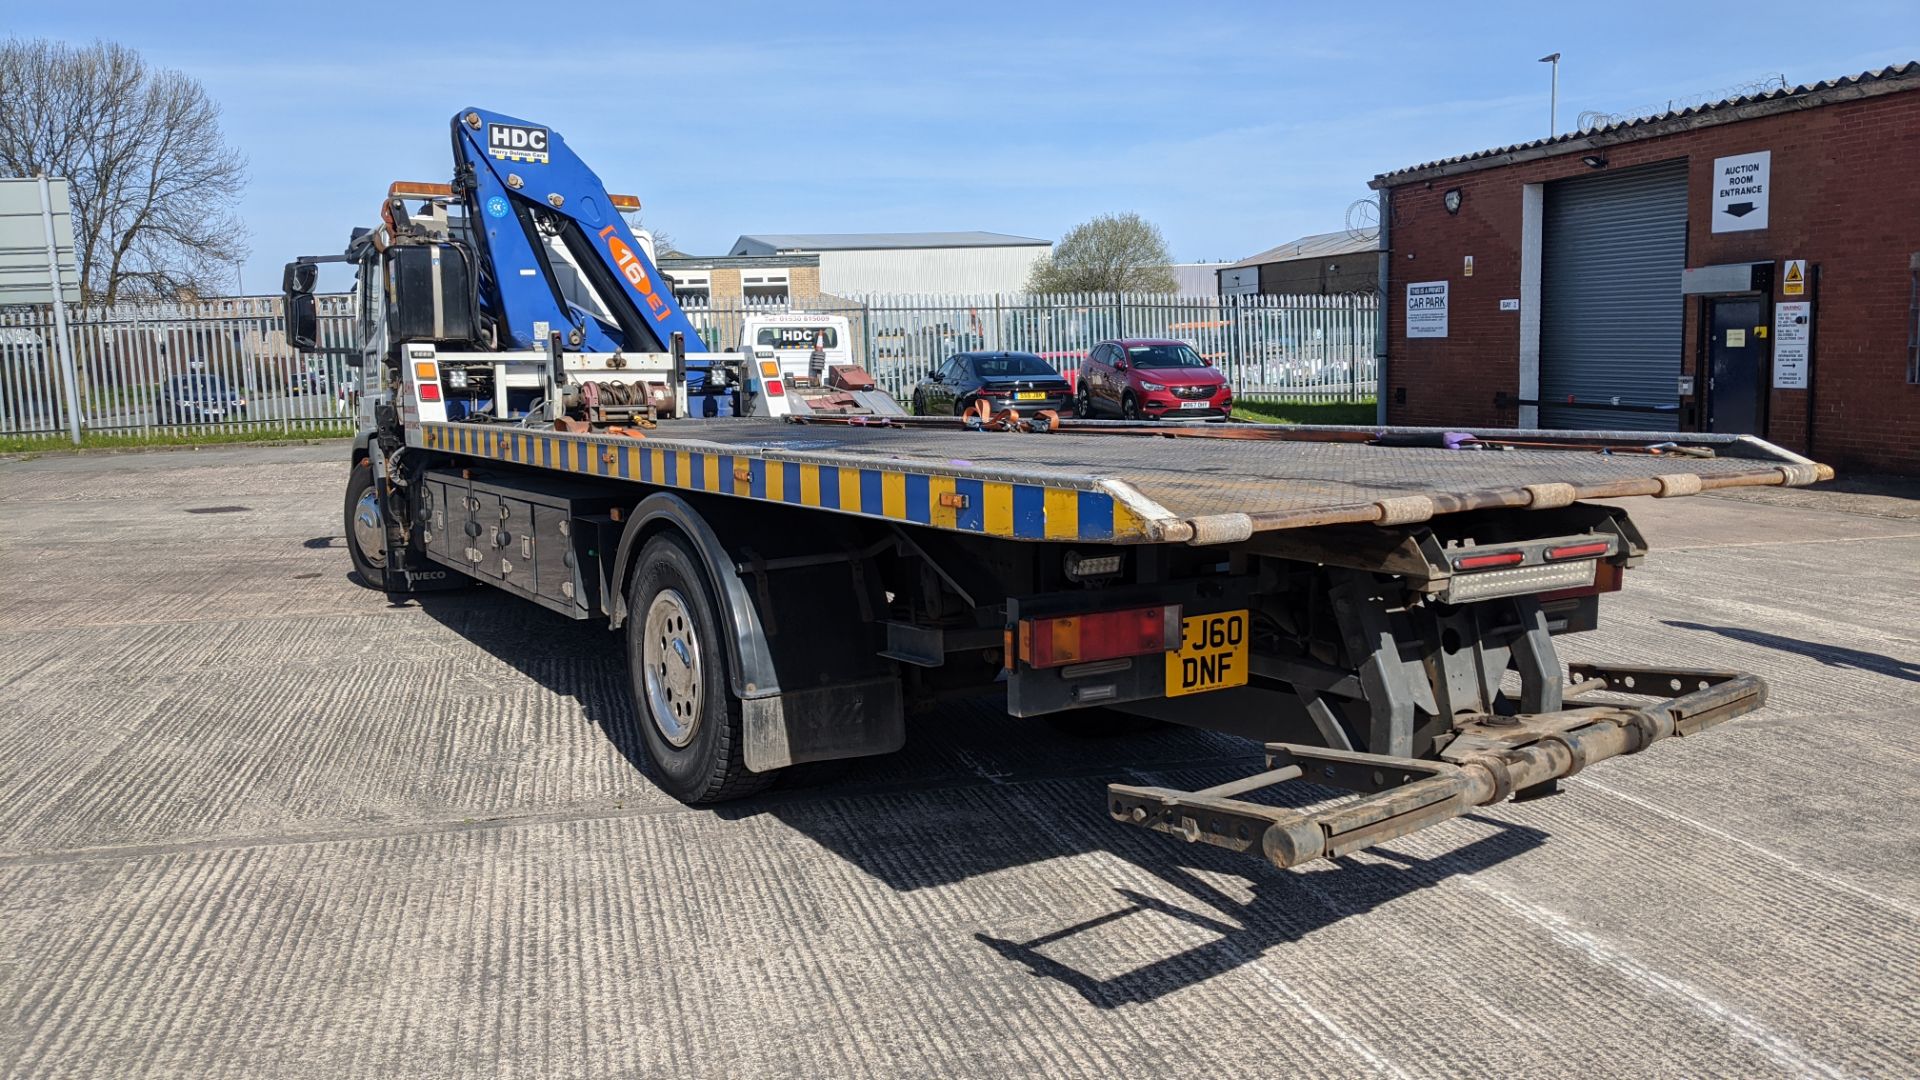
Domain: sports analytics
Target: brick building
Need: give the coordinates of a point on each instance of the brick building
(731, 280)
(1751, 265)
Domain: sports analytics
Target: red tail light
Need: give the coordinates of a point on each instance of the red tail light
(429, 391)
(1487, 562)
(774, 389)
(1580, 551)
(1102, 635)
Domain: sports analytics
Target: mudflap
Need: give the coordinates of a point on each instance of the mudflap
(1489, 759)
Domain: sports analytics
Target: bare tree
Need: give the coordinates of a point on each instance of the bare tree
(1111, 253)
(154, 184)
(662, 240)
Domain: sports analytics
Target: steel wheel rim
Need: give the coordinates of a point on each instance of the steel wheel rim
(369, 532)
(670, 660)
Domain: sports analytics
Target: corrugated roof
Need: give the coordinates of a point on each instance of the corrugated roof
(871, 241)
(1866, 84)
(1316, 246)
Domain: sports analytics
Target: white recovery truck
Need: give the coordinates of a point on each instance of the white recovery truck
(1378, 607)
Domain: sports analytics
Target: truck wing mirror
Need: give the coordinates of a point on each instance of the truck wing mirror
(303, 321)
(303, 315)
(299, 277)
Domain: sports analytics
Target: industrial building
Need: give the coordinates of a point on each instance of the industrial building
(1751, 265)
(918, 262)
(1322, 264)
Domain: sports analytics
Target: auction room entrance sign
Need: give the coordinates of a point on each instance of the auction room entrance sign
(1426, 309)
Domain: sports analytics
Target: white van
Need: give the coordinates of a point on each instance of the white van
(793, 338)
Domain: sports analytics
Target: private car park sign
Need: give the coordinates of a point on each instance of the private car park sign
(1426, 309)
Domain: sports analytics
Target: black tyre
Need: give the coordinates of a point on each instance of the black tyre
(961, 405)
(1130, 407)
(678, 665)
(1083, 404)
(366, 527)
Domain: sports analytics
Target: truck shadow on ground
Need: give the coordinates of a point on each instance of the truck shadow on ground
(1284, 907)
(1830, 655)
(977, 792)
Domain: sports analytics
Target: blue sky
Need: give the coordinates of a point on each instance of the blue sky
(1233, 126)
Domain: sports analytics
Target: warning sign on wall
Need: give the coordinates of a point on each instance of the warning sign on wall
(1426, 309)
(1792, 339)
(1741, 186)
(1794, 281)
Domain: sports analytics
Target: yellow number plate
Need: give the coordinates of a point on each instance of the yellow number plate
(1030, 395)
(1212, 654)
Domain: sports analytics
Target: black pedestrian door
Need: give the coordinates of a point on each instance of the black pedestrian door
(1734, 354)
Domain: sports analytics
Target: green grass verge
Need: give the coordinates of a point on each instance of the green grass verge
(21, 444)
(1305, 413)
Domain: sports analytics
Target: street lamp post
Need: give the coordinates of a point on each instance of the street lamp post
(1553, 101)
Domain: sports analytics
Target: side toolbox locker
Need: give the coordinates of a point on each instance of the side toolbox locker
(514, 544)
(553, 554)
(466, 531)
(443, 520)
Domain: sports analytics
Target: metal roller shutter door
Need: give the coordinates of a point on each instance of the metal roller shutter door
(1611, 316)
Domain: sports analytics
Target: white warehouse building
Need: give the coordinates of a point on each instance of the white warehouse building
(919, 262)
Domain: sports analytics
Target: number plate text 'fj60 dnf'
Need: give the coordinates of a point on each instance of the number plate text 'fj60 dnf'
(1212, 654)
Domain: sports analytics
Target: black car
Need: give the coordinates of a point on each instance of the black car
(197, 399)
(1006, 380)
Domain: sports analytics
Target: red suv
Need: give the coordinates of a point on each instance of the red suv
(1152, 378)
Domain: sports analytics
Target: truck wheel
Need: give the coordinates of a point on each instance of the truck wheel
(678, 665)
(366, 527)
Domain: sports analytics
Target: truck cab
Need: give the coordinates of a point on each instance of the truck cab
(793, 337)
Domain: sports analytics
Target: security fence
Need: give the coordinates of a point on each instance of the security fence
(196, 367)
(1272, 348)
(225, 364)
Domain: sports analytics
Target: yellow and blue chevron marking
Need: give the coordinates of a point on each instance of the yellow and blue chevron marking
(1017, 511)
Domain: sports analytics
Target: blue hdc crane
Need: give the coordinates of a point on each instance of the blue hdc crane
(537, 214)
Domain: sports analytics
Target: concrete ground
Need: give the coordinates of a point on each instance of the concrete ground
(255, 821)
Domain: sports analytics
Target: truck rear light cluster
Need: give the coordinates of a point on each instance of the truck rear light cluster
(1519, 581)
(1592, 550)
(1606, 579)
(1059, 640)
(770, 373)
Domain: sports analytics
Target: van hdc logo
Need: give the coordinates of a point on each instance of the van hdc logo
(517, 142)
